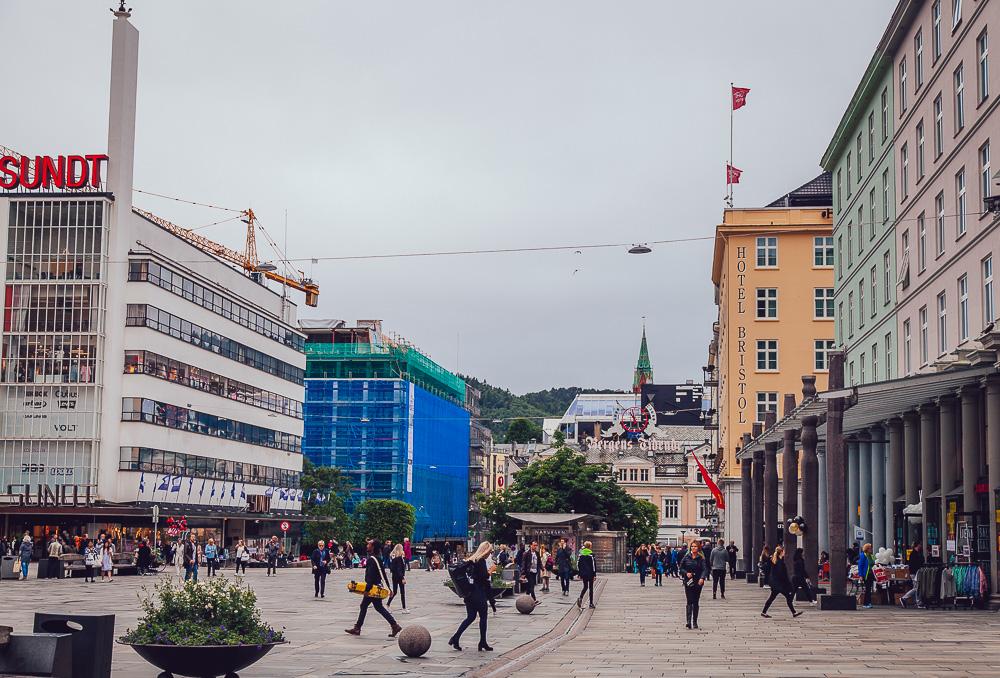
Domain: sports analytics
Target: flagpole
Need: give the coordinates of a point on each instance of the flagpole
(732, 111)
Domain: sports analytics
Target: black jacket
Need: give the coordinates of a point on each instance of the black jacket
(778, 577)
(373, 570)
(526, 562)
(190, 552)
(799, 568)
(585, 564)
(564, 560)
(696, 566)
(397, 568)
(732, 551)
(321, 561)
(916, 560)
(481, 577)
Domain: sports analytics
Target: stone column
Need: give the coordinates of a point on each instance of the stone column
(911, 467)
(823, 509)
(758, 509)
(893, 478)
(970, 446)
(865, 484)
(948, 451)
(810, 496)
(993, 459)
(789, 482)
(770, 488)
(928, 467)
(836, 467)
(746, 490)
(853, 487)
(878, 488)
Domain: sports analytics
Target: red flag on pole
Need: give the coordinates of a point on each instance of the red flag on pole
(740, 97)
(712, 487)
(733, 174)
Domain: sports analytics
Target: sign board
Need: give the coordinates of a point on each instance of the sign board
(859, 534)
(935, 550)
(46, 172)
(31, 494)
(284, 526)
(713, 521)
(501, 481)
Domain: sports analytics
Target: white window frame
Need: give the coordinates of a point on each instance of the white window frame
(936, 30)
(769, 295)
(989, 301)
(959, 82)
(960, 202)
(861, 301)
(769, 401)
(907, 356)
(767, 354)
(938, 126)
(840, 256)
(983, 72)
(904, 163)
(872, 214)
(862, 374)
(886, 277)
(925, 345)
(858, 160)
(921, 167)
(874, 290)
(705, 508)
(821, 354)
(885, 195)
(671, 505)
(885, 114)
(963, 307)
(850, 244)
(984, 174)
(823, 251)
(840, 190)
(942, 323)
(888, 356)
(875, 362)
(871, 138)
(921, 242)
(848, 165)
(823, 308)
(918, 58)
(850, 314)
(939, 227)
(902, 84)
(767, 245)
(956, 13)
(840, 323)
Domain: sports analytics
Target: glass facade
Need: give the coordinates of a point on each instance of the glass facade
(150, 460)
(143, 315)
(161, 367)
(395, 440)
(50, 354)
(173, 416)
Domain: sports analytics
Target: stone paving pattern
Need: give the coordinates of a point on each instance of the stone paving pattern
(634, 632)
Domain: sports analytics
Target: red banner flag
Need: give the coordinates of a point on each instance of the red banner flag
(733, 174)
(740, 97)
(712, 487)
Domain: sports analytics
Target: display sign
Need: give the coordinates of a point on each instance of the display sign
(285, 525)
(29, 494)
(47, 172)
(48, 411)
(501, 481)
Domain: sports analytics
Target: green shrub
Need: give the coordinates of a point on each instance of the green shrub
(219, 612)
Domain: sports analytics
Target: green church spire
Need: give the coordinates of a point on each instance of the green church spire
(643, 368)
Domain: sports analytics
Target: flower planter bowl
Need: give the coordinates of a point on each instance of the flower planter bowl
(202, 661)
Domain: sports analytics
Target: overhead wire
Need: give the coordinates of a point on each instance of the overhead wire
(189, 202)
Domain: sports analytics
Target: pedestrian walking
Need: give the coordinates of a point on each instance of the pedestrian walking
(321, 568)
(719, 562)
(674, 560)
(548, 565)
(658, 565)
(143, 558)
(764, 567)
(866, 571)
(107, 559)
(800, 581)
(531, 565)
(212, 557)
(178, 551)
(407, 553)
(564, 565)
(374, 576)
(693, 569)
(397, 570)
(781, 585)
(915, 561)
(642, 563)
(91, 559)
(24, 554)
(271, 551)
(588, 571)
(242, 556)
(732, 551)
(477, 600)
(191, 558)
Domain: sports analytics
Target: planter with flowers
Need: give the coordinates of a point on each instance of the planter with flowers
(201, 630)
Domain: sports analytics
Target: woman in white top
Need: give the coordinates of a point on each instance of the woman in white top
(242, 556)
(107, 562)
(179, 559)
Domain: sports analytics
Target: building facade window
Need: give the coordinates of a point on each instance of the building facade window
(989, 302)
(925, 348)
(956, 13)
(857, 157)
(840, 323)
(143, 315)
(871, 138)
(938, 127)
(161, 367)
(850, 314)
(767, 252)
(886, 278)
(939, 223)
(706, 509)
(823, 252)
(861, 301)
(850, 244)
(983, 72)
(840, 190)
(151, 411)
(984, 175)
(848, 165)
(963, 308)
(821, 354)
(823, 302)
(861, 362)
(872, 214)
(918, 59)
(767, 401)
(840, 256)
(644, 475)
(885, 195)
(907, 353)
(921, 242)
(959, 78)
(874, 289)
(936, 29)
(902, 84)
(885, 115)
(767, 355)
(921, 167)
(888, 356)
(671, 508)
(149, 460)
(904, 167)
(942, 312)
(960, 202)
(767, 303)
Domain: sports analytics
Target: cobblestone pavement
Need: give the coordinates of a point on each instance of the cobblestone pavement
(319, 646)
(640, 632)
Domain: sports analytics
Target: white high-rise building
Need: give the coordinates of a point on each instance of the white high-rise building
(136, 369)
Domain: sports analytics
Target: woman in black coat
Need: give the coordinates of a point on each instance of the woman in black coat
(799, 578)
(374, 576)
(781, 585)
(321, 567)
(476, 602)
(642, 563)
(694, 571)
(397, 569)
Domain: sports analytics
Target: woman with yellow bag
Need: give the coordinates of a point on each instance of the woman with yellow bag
(375, 586)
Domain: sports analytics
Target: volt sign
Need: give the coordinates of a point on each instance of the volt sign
(44, 172)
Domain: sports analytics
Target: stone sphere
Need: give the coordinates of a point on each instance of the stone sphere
(524, 604)
(414, 640)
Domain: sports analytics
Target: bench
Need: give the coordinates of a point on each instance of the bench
(123, 565)
(72, 564)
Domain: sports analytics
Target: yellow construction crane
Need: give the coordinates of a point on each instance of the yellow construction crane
(247, 260)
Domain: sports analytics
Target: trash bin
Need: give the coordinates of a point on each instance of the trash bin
(56, 568)
(43, 568)
(10, 567)
(93, 639)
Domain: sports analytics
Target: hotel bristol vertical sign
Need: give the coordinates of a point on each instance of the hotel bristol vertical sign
(741, 334)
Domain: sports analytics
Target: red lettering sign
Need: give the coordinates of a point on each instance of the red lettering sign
(47, 172)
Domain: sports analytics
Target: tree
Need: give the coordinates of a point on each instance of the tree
(563, 483)
(384, 519)
(558, 439)
(523, 431)
(330, 519)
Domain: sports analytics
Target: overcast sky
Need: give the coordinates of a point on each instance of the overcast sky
(387, 127)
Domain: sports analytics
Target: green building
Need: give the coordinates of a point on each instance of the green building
(860, 159)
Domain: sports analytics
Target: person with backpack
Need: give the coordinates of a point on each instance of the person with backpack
(564, 565)
(374, 576)
(91, 559)
(477, 597)
(588, 571)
